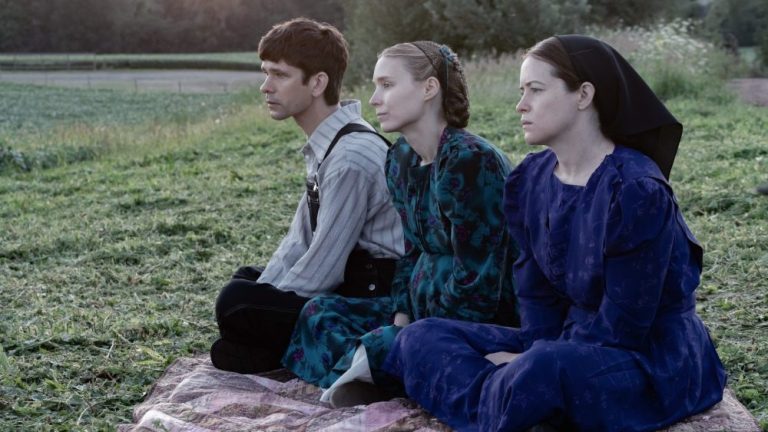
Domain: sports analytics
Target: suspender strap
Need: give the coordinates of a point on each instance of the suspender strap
(313, 190)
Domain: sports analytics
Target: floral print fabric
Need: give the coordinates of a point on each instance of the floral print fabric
(456, 265)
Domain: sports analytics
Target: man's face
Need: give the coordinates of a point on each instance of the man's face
(285, 93)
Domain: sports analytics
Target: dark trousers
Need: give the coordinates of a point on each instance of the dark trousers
(255, 321)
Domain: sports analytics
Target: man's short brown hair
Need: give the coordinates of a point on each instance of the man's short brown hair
(311, 46)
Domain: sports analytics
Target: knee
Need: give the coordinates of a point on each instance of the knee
(418, 328)
(417, 335)
(316, 305)
(231, 296)
(544, 361)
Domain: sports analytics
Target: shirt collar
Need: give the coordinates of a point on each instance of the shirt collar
(320, 140)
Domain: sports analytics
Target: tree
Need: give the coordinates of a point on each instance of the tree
(12, 33)
(499, 26)
(373, 26)
(468, 26)
(743, 19)
(633, 12)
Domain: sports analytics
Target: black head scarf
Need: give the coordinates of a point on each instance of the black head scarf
(630, 113)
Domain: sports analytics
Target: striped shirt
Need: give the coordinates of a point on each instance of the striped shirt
(355, 210)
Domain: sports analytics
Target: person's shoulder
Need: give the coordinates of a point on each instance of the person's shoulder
(525, 189)
(635, 178)
(533, 165)
(361, 150)
(366, 139)
(460, 141)
(461, 147)
(350, 115)
(631, 165)
(529, 177)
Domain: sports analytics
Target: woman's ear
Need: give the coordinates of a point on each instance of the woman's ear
(319, 82)
(586, 95)
(431, 88)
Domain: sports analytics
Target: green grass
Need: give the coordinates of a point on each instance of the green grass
(243, 57)
(49, 126)
(110, 265)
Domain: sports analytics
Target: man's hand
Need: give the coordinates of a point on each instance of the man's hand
(401, 319)
(500, 357)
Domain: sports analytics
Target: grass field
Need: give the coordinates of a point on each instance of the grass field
(110, 262)
(44, 127)
(248, 56)
(241, 57)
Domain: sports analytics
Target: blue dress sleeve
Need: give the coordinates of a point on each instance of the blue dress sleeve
(542, 310)
(469, 191)
(639, 238)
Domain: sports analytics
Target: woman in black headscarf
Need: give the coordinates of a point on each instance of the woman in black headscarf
(610, 339)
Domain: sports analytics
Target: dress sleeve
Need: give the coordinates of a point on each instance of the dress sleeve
(402, 279)
(395, 169)
(638, 247)
(470, 188)
(542, 310)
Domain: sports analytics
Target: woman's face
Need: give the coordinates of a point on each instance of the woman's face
(399, 100)
(547, 107)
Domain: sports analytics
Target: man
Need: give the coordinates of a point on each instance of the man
(304, 62)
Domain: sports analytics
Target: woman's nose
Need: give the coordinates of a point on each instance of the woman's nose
(374, 100)
(522, 105)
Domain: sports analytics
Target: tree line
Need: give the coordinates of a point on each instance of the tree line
(469, 26)
(148, 26)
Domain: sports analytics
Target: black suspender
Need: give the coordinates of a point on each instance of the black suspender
(313, 191)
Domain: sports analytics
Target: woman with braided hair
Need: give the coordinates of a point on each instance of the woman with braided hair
(447, 184)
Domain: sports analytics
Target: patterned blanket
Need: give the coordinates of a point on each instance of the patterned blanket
(194, 396)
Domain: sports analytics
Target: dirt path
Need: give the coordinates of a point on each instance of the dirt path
(182, 81)
(753, 91)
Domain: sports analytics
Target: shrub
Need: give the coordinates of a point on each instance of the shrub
(483, 27)
(671, 59)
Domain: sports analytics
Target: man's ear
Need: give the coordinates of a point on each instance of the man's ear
(431, 88)
(318, 83)
(586, 95)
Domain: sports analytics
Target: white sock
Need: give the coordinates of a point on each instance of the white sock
(358, 371)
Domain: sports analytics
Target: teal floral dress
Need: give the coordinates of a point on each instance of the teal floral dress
(457, 261)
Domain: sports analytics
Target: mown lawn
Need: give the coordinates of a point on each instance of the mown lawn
(110, 264)
(225, 60)
(245, 57)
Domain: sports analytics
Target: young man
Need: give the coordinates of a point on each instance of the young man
(304, 62)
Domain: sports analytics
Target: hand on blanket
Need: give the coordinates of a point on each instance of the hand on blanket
(401, 319)
(500, 357)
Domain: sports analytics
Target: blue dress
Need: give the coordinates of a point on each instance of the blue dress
(610, 339)
(457, 261)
